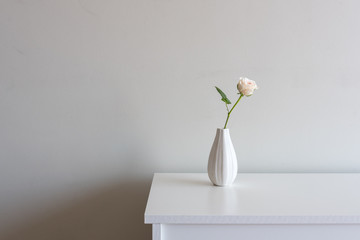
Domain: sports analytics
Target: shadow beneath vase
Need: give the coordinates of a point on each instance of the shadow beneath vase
(113, 212)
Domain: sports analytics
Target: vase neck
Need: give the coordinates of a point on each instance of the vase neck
(222, 132)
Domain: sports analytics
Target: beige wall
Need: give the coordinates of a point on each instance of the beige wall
(95, 96)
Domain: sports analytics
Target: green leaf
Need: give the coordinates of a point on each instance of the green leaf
(223, 95)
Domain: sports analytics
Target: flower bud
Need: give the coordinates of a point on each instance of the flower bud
(246, 86)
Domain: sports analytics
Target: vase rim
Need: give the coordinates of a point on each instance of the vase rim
(223, 129)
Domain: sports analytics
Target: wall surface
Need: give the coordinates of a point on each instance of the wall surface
(95, 96)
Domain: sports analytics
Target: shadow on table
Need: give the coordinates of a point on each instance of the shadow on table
(116, 212)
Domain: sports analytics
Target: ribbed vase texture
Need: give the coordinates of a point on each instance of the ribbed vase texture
(222, 165)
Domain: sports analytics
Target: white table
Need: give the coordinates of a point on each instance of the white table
(186, 206)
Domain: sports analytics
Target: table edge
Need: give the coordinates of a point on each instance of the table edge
(187, 219)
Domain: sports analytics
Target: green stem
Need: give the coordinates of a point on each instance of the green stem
(227, 107)
(228, 115)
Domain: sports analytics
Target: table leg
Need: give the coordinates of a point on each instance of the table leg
(156, 231)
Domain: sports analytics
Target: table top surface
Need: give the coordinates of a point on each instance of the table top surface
(262, 198)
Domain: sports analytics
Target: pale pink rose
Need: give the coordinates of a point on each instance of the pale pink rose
(246, 86)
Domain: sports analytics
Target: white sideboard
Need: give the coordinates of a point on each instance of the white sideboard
(186, 206)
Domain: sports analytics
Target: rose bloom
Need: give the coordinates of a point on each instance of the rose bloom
(246, 86)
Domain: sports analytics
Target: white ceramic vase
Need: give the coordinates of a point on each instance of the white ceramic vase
(222, 165)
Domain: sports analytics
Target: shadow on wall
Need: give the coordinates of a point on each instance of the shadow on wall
(116, 212)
